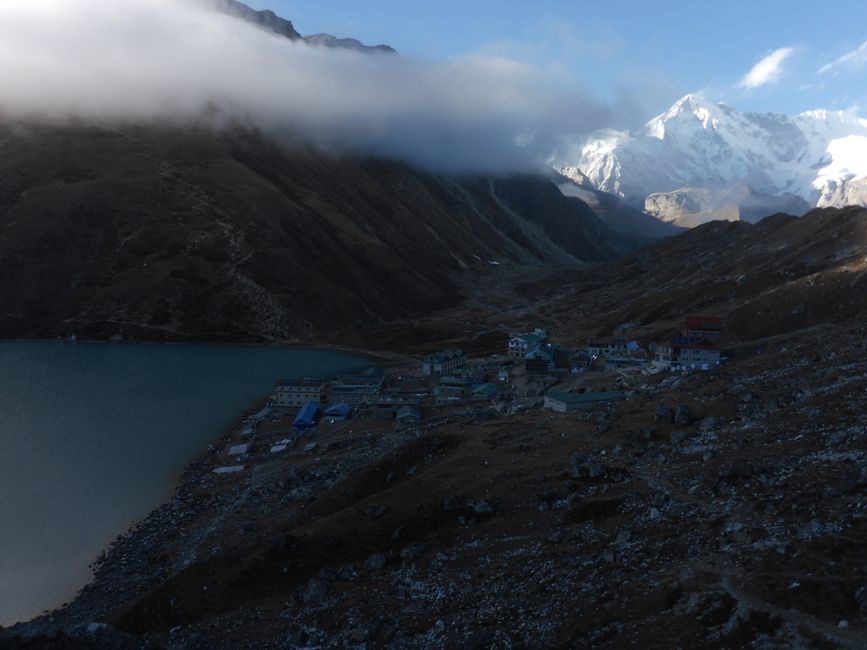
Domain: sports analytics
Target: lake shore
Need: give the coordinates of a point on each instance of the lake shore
(173, 477)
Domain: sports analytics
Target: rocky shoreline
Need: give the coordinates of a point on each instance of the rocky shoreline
(127, 556)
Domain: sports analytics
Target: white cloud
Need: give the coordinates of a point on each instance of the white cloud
(768, 70)
(141, 60)
(852, 60)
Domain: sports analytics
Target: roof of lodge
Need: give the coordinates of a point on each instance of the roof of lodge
(485, 389)
(445, 355)
(309, 382)
(704, 322)
(691, 342)
(339, 409)
(529, 339)
(372, 376)
(541, 353)
(352, 388)
(408, 411)
(307, 413)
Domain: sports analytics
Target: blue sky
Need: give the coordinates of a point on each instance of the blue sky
(644, 53)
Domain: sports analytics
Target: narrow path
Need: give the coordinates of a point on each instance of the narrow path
(844, 637)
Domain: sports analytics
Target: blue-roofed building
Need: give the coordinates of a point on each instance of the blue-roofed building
(339, 412)
(306, 418)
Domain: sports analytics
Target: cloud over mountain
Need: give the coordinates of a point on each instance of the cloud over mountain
(179, 60)
(768, 70)
(851, 60)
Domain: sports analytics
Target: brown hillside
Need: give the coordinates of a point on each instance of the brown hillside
(164, 234)
(780, 275)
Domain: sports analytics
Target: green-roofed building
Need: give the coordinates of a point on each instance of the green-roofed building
(483, 392)
(563, 402)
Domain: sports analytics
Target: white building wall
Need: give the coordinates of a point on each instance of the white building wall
(555, 405)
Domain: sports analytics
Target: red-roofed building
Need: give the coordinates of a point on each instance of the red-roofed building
(703, 327)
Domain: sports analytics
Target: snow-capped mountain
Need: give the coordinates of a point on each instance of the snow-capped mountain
(699, 161)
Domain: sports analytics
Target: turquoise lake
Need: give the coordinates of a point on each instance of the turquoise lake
(93, 436)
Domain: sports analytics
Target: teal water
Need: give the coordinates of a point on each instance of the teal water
(92, 437)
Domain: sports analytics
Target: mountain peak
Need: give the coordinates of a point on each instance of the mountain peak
(846, 119)
(688, 108)
(265, 19)
(699, 148)
(688, 102)
(269, 21)
(691, 103)
(328, 40)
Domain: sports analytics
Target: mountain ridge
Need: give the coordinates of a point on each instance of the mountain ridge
(698, 145)
(269, 21)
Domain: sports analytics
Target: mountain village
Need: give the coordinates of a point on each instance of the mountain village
(534, 371)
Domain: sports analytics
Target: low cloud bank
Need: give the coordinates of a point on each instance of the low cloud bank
(180, 60)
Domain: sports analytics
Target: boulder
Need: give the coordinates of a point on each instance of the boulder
(680, 437)
(451, 503)
(375, 562)
(664, 413)
(413, 551)
(483, 508)
(682, 415)
(316, 591)
(576, 463)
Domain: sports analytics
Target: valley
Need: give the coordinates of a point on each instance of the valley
(709, 508)
(476, 354)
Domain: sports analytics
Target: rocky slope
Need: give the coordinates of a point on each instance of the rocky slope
(694, 206)
(328, 40)
(781, 163)
(781, 275)
(169, 234)
(266, 19)
(615, 212)
(853, 192)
